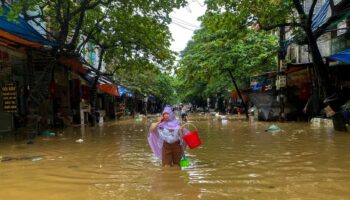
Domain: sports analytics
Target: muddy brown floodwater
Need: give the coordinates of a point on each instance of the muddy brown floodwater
(236, 161)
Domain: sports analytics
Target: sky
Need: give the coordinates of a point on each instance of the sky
(184, 22)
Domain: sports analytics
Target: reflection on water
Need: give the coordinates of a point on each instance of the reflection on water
(237, 160)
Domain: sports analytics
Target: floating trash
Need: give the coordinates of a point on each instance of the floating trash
(47, 133)
(273, 129)
(328, 123)
(79, 140)
(37, 158)
(316, 122)
(18, 158)
(138, 119)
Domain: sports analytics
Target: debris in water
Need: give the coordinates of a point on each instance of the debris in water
(37, 158)
(47, 133)
(273, 129)
(11, 158)
(79, 140)
(299, 131)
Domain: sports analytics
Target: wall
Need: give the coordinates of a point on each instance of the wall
(12, 60)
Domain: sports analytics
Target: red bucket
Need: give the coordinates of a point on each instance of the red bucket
(192, 139)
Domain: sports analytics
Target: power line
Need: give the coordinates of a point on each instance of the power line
(201, 5)
(188, 9)
(184, 22)
(183, 26)
(189, 26)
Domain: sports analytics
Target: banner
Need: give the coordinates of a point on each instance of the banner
(9, 96)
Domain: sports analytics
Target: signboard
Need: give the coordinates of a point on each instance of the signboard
(9, 96)
(281, 82)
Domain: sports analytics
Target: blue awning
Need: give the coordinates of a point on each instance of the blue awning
(123, 90)
(318, 20)
(320, 17)
(22, 29)
(343, 56)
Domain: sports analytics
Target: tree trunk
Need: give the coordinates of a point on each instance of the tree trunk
(134, 105)
(239, 93)
(321, 69)
(281, 59)
(93, 96)
(323, 78)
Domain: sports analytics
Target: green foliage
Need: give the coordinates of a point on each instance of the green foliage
(165, 88)
(149, 81)
(269, 12)
(136, 28)
(206, 59)
(134, 35)
(137, 44)
(296, 15)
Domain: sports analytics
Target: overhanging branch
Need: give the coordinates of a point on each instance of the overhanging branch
(322, 29)
(293, 24)
(299, 7)
(311, 12)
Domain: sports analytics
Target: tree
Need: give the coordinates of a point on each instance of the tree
(276, 13)
(135, 39)
(64, 19)
(132, 35)
(214, 50)
(165, 88)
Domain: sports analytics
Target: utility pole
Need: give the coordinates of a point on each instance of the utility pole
(281, 81)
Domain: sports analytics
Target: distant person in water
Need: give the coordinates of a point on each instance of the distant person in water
(184, 114)
(165, 138)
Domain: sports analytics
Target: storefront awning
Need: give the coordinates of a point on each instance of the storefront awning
(7, 39)
(104, 83)
(123, 90)
(74, 64)
(343, 56)
(111, 89)
(20, 32)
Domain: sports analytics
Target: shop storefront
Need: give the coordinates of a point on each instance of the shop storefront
(12, 83)
(17, 41)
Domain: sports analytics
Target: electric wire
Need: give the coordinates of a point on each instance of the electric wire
(184, 22)
(182, 26)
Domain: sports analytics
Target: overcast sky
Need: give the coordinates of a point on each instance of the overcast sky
(184, 22)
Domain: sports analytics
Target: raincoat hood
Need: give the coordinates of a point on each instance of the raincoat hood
(172, 123)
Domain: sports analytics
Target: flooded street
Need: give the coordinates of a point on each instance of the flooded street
(235, 161)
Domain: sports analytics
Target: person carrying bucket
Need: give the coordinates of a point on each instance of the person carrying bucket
(166, 139)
